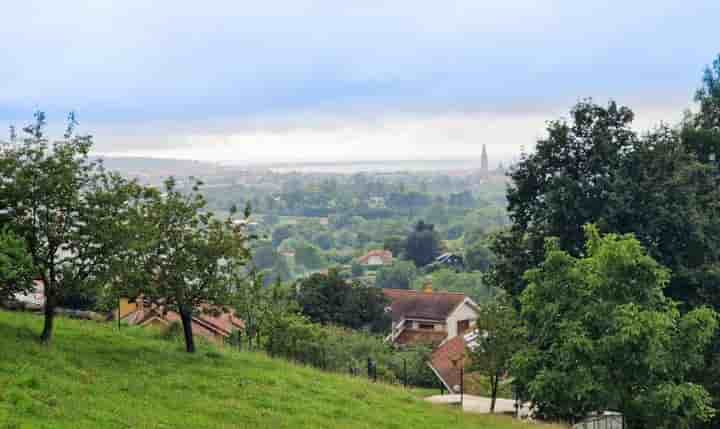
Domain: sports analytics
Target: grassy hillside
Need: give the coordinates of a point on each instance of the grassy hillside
(95, 377)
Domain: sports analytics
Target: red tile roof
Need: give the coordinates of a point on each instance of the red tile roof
(411, 304)
(385, 255)
(442, 361)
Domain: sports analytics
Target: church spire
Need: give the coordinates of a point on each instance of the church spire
(484, 160)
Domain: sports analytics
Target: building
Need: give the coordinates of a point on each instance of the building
(376, 258)
(447, 359)
(429, 317)
(210, 323)
(34, 299)
(484, 169)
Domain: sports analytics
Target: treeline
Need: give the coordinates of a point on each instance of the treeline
(614, 321)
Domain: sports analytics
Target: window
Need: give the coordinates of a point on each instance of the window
(427, 326)
(463, 326)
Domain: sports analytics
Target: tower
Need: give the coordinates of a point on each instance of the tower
(484, 161)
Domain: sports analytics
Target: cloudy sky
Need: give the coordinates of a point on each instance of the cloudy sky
(327, 80)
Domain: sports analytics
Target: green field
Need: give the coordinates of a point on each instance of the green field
(96, 377)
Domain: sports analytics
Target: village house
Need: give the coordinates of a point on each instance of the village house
(216, 326)
(429, 317)
(376, 258)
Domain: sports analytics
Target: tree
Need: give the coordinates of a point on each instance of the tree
(264, 256)
(422, 245)
(190, 259)
(357, 270)
(68, 210)
(16, 268)
(395, 244)
(708, 96)
(399, 275)
(565, 184)
(603, 336)
(309, 256)
(281, 233)
(329, 299)
(500, 336)
(479, 257)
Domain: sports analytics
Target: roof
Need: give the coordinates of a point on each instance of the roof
(385, 255)
(441, 361)
(420, 336)
(218, 322)
(411, 304)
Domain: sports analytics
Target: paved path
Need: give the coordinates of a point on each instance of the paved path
(477, 404)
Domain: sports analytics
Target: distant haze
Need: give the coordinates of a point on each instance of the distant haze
(328, 81)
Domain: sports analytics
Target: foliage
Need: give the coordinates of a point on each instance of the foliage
(423, 244)
(16, 268)
(478, 257)
(399, 275)
(67, 209)
(185, 258)
(469, 283)
(341, 350)
(501, 336)
(329, 299)
(708, 96)
(603, 336)
(309, 256)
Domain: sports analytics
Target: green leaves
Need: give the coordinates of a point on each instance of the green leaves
(603, 336)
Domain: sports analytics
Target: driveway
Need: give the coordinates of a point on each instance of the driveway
(478, 404)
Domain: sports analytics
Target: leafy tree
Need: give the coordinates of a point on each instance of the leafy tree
(479, 257)
(399, 275)
(422, 245)
(357, 270)
(281, 233)
(16, 268)
(309, 256)
(329, 299)
(500, 335)
(190, 259)
(264, 256)
(68, 210)
(471, 284)
(708, 96)
(603, 336)
(565, 184)
(395, 244)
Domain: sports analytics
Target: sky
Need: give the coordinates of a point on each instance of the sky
(327, 80)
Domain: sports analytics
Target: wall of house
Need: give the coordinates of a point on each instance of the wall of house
(463, 312)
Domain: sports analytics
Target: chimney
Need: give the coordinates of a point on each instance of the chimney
(427, 287)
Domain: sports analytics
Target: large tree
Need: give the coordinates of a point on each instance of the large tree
(423, 244)
(189, 259)
(500, 336)
(602, 335)
(68, 210)
(329, 299)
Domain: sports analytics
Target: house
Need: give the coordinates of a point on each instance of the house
(376, 258)
(450, 260)
(429, 317)
(34, 299)
(449, 357)
(210, 323)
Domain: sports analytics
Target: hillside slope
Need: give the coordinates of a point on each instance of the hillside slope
(96, 377)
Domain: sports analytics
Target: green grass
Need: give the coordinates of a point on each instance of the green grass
(93, 376)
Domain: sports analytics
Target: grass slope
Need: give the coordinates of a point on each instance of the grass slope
(93, 376)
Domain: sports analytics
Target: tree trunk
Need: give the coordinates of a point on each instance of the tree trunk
(49, 311)
(186, 317)
(493, 394)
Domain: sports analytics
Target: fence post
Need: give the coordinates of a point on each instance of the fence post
(369, 368)
(404, 372)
